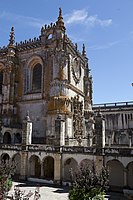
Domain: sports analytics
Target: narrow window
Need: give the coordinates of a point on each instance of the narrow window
(37, 77)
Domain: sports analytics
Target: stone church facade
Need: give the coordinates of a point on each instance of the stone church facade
(47, 123)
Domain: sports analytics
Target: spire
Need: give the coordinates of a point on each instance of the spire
(60, 14)
(12, 37)
(60, 22)
(84, 51)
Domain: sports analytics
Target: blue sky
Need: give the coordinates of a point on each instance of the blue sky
(105, 26)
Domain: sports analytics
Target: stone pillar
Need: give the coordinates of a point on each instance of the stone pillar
(125, 177)
(27, 130)
(26, 139)
(130, 140)
(42, 173)
(24, 165)
(100, 130)
(99, 163)
(109, 140)
(60, 131)
(90, 140)
(57, 168)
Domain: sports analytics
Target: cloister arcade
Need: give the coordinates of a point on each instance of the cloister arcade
(120, 175)
(45, 166)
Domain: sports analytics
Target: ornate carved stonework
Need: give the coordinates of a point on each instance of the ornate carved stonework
(76, 70)
(47, 76)
(77, 117)
(61, 104)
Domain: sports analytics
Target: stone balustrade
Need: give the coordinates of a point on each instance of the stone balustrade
(112, 151)
(11, 147)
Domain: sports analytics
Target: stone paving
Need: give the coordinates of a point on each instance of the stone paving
(53, 192)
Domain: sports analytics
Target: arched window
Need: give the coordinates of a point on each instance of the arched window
(1, 82)
(37, 77)
(7, 138)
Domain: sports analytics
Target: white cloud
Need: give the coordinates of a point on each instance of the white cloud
(105, 46)
(82, 17)
(94, 20)
(22, 20)
(77, 16)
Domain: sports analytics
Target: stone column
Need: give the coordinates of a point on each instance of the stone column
(100, 130)
(26, 140)
(90, 140)
(60, 131)
(109, 140)
(57, 168)
(130, 140)
(42, 173)
(27, 130)
(125, 177)
(24, 165)
(99, 163)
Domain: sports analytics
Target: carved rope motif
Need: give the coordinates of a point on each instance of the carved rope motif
(77, 116)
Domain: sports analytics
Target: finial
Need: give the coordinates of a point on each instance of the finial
(84, 51)
(99, 114)
(42, 29)
(60, 13)
(27, 116)
(60, 22)
(76, 46)
(12, 37)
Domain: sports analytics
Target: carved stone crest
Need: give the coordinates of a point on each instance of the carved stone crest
(76, 70)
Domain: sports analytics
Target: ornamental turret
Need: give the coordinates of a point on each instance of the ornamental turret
(60, 22)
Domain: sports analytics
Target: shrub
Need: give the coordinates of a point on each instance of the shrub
(8, 184)
(6, 171)
(89, 184)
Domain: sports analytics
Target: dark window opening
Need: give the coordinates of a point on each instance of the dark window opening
(7, 138)
(37, 77)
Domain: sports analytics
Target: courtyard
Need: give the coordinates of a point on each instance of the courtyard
(54, 192)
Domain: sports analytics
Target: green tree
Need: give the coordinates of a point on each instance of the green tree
(89, 184)
(6, 171)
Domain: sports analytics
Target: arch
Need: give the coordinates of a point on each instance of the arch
(116, 173)
(5, 158)
(34, 74)
(130, 174)
(48, 168)
(86, 163)
(7, 138)
(34, 166)
(17, 138)
(16, 159)
(70, 165)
